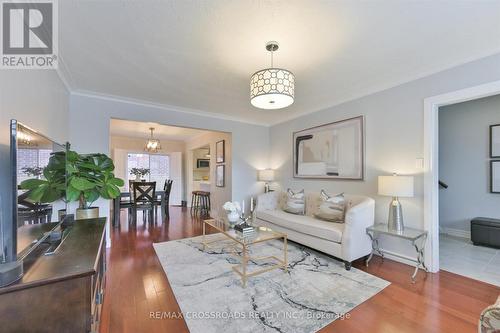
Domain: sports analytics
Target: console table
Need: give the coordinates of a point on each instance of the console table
(61, 292)
(416, 236)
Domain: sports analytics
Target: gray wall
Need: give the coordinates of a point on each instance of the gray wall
(394, 138)
(89, 123)
(464, 163)
(38, 99)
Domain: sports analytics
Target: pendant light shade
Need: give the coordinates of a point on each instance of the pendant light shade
(272, 88)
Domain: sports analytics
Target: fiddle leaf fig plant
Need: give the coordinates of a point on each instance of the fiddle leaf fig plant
(52, 186)
(90, 176)
(75, 177)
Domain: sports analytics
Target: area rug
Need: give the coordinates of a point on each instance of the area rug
(316, 290)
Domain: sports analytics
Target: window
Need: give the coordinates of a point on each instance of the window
(158, 166)
(28, 160)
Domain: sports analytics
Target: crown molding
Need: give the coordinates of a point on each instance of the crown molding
(384, 87)
(283, 118)
(166, 107)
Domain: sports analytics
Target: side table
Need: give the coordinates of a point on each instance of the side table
(416, 236)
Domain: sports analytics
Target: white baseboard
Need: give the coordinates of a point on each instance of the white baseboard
(455, 232)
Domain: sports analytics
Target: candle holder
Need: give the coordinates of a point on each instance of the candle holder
(248, 218)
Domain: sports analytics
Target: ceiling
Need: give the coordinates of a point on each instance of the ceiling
(135, 129)
(199, 55)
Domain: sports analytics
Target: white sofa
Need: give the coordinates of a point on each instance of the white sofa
(347, 241)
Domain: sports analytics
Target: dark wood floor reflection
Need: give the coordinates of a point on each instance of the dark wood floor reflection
(137, 286)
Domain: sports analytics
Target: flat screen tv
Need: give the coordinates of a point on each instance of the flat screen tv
(37, 191)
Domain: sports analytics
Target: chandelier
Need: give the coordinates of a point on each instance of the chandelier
(272, 88)
(153, 145)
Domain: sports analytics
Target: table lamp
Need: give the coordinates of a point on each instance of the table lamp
(266, 175)
(395, 186)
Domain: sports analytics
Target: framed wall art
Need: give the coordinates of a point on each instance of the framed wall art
(220, 154)
(220, 171)
(495, 141)
(331, 151)
(495, 176)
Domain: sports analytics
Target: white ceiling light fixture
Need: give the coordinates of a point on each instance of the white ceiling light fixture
(272, 88)
(153, 145)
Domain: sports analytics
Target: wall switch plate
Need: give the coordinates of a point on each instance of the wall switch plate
(419, 163)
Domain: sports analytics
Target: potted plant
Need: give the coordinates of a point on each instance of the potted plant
(90, 177)
(233, 210)
(139, 173)
(33, 171)
(50, 185)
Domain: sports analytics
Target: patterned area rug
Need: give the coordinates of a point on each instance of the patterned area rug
(316, 290)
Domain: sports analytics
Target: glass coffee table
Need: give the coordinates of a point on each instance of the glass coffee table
(260, 235)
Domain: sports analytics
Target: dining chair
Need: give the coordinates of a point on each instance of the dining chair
(144, 199)
(167, 188)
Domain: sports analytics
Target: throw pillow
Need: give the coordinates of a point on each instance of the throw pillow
(295, 202)
(331, 208)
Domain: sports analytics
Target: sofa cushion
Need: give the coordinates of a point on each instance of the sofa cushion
(304, 224)
(331, 208)
(295, 203)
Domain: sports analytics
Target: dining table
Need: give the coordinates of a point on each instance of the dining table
(119, 203)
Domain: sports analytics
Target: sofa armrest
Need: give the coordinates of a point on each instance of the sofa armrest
(355, 241)
(267, 201)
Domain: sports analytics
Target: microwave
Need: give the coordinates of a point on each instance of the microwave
(202, 163)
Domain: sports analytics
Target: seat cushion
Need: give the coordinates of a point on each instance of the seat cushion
(304, 224)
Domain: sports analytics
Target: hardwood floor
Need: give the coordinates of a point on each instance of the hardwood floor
(137, 285)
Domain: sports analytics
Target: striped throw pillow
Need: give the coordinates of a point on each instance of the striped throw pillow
(295, 202)
(331, 208)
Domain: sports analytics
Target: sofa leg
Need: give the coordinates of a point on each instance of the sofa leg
(348, 265)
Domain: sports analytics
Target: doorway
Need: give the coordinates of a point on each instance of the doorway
(431, 157)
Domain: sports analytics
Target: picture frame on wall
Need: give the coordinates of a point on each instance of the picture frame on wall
(495, 141)
(220, 154)
(495, 176)
(220, 171)
(331, 151)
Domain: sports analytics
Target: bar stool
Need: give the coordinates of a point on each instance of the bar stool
(200, 203)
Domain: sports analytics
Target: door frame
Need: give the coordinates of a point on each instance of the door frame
(431, 158)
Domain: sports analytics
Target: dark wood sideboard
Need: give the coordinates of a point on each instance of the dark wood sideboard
(62, 292)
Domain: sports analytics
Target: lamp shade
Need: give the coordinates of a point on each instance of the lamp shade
(272, 88)
(266, 175)
(395, 186)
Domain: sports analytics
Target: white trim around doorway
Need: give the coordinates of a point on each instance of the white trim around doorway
(431, 157)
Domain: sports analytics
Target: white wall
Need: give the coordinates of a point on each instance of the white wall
(89, 122)
(218, 195)
(38, 99)
(394, 138)
(464, 163)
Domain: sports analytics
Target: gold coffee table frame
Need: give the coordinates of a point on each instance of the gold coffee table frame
(261, 234)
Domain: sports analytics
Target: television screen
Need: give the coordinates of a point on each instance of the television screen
(39, 177)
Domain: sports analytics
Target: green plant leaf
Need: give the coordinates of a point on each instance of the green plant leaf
(31, 184)
(72, 194)
(113, 191)
(81, 183)
(116, 181)
(51, 195)
(91, 196)
(37, 194)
